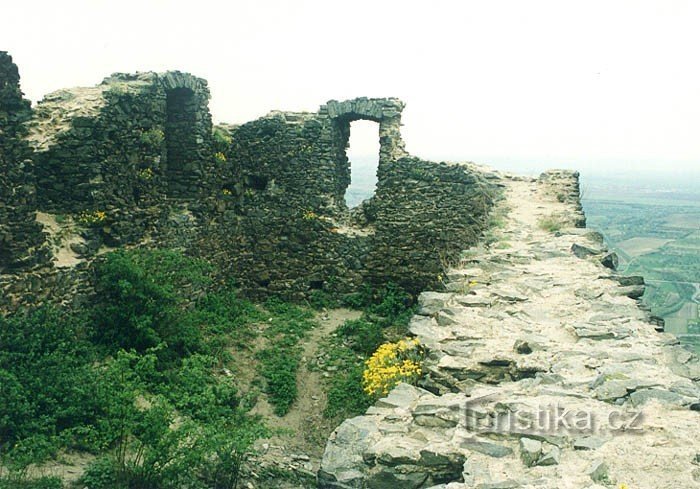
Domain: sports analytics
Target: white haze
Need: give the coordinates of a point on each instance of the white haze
(596, 85)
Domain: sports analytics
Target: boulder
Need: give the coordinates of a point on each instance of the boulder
(343, 465)
(550, 457)
(610, 260)
(598, 471)
(430, 303)
(581, 251)
(530, 451)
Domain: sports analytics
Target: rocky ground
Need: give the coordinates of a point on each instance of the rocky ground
(543, 372)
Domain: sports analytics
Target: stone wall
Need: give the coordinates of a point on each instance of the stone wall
(132, 141)
(135, 161)
(283, 226)
(21, 237)
(424, 214)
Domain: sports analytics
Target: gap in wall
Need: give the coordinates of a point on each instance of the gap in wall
(363, 154)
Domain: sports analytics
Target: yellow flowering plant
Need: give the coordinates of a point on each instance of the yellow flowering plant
(92, 218)
(309, 215)
(391, 364)
(146, 174)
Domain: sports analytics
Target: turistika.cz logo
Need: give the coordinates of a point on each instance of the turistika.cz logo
(548, 419)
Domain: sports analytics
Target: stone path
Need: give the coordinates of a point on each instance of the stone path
(543, 372)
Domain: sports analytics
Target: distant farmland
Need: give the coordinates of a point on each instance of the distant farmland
(658, 238)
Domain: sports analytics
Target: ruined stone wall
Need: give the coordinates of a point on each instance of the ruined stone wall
(277, 215)
(135, 161)
(284, 226)
(425, 213)
(21, 237)
(132, 141)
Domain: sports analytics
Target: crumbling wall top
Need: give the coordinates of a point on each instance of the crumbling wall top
(373, 109)
(55, 113)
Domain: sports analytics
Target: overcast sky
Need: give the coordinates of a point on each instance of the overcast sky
(597, 85)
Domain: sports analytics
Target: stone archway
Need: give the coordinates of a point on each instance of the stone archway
(386, 112)
(187, 131)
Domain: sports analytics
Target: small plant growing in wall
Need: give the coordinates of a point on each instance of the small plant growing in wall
(309, 215)
(146, 174)
(153, 137)
(92, 218)
(222, 140)
(391, 364)
(220, 157)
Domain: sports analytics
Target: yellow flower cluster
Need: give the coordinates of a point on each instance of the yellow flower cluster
(226, 191)
(146, 174)
(92, 218)
(393, 363)
(310, 215)
(220, 157)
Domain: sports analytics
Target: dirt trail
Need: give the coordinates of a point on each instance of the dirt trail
(307, 429)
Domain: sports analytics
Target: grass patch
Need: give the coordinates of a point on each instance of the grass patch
(280, 359)
(552, 223)
(496, 222)
(15, 481)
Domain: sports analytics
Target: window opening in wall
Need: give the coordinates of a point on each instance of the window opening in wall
(363, 154)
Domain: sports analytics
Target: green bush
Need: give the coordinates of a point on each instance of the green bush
(218, 453)
(364, 336)
(102, 473)
(279, 368)
(391, 305)
(159, 414)
(192, 455)
(196, 392)
(140, 300)
(225, 320)
(145, 455)
(47, 382)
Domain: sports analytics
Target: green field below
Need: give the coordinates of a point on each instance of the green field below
(658, 238)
